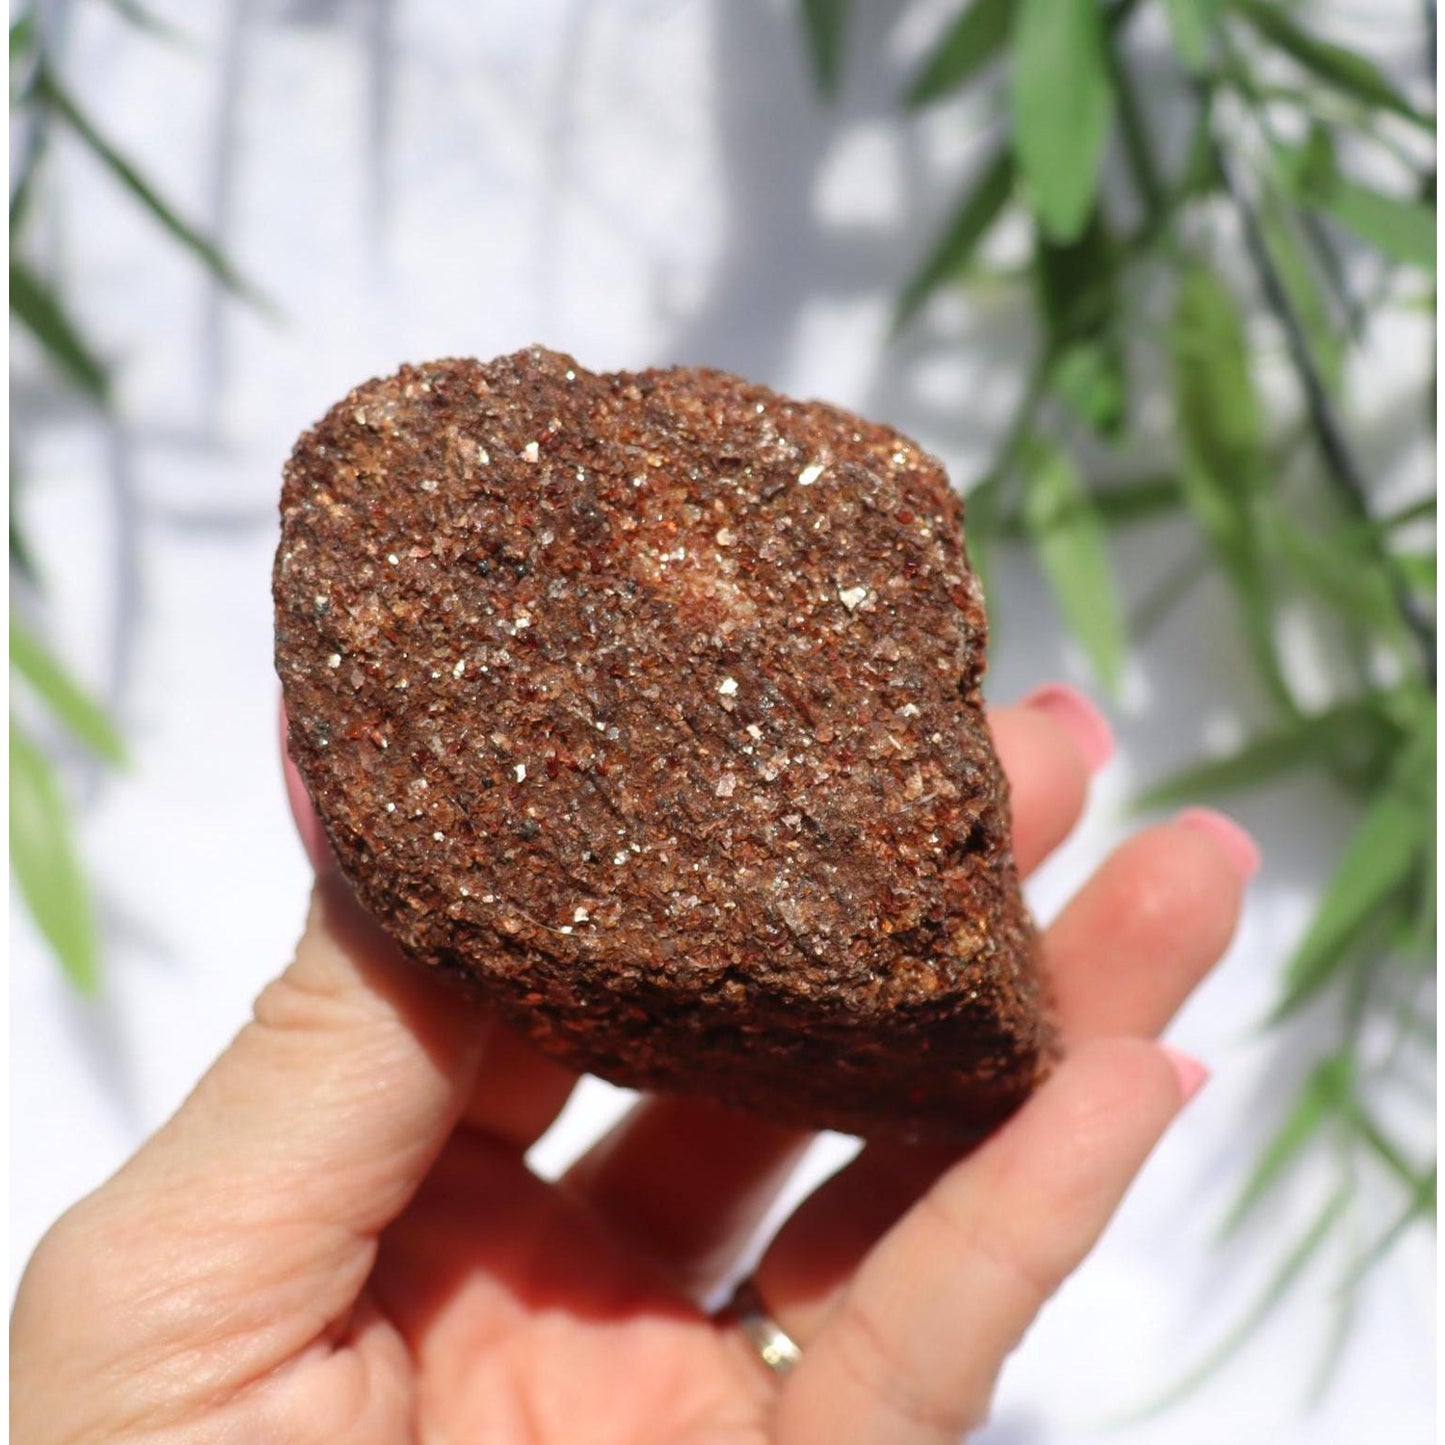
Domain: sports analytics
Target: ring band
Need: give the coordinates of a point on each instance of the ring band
(777, 1349)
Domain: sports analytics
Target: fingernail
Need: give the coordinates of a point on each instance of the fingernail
(1086, 724)
(1192, 1075)
(303, 814)
(1242, 851)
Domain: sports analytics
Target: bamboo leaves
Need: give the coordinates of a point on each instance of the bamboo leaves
(1078, 290)
(1379, 862)
(1218, 407)
(41, 312)
(825, 24)
(1190, 23)
(45, 863)
(43, 855)
(1062, 101)
(971, 223)
(63, 697)
(1072, 549)
(49, 93)
(974, 39)
(1295, 532)
(1221, 432)
(1333, 64)
(1283, 237)
(1400, 228)
(1348, 735)
(1323, 1096)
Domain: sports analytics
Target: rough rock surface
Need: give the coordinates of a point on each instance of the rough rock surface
(648, 705)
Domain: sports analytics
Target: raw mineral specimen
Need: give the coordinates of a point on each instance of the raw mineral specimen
(647, 706)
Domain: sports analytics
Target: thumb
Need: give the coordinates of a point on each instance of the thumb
(333, 1101)
(243, 1231)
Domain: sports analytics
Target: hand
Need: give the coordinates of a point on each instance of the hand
(337, 1238)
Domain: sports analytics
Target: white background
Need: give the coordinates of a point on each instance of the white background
(638, 182)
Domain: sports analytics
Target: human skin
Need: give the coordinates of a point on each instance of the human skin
(336, 1238)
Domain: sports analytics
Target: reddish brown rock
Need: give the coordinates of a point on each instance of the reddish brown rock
(648, 705)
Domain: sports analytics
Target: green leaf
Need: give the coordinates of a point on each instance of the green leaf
(1220, 418)
(1351, 727)
(1123, 504)
(1120, 504)
(1219, 408)
(1381, 1145)
(825, 25)
(1301, 285)
(1089, 379)
(975, 38)
(1401, 228)
(1323, 1096)
(144, 19)
(1418, 569)
(972, 221)
(22, 561)
(1191, 24)
(1421, 941)
(20, 556)
(1061, 105)
(1416, 511)
(1378, 861)
(1072, 549)
(1343, 69)
(36, 307)
(1278, 1288)
(1078, 285)
(45, 864)
(22, 37)
(68, 702)
(1199, 174)
(1421, 1207)
(1227, 519)
(53, 94)
(1340, 567)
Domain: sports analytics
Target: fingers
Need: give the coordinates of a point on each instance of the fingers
(687, 1180)
(1049, 744)
(1130, 947)
(517, 1093)
(911, 1351)
(691, 1181)
(1122, 957)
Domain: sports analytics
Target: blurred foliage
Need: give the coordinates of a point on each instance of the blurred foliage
(43, 852)
(1264, 213)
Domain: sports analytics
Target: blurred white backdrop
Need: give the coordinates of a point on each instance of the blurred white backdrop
(638, 182)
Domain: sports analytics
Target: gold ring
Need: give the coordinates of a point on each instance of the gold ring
(777, 1349)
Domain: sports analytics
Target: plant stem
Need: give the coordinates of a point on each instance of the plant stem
(1340, 464)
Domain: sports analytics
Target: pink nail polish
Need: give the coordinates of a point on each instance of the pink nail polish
(1192, 1075)
(1085, 723)
(303, 814)
(1243, 852)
